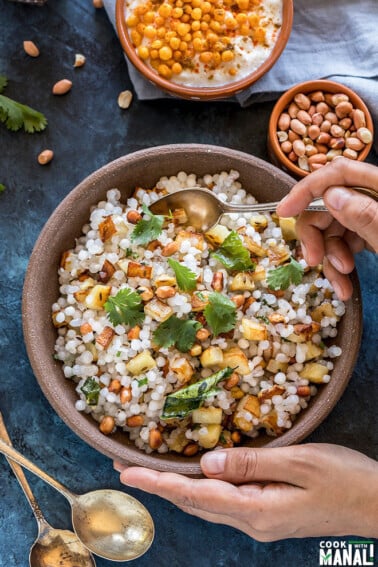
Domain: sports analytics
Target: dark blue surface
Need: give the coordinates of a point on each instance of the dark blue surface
(86, 130)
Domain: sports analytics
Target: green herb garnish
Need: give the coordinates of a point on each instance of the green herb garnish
(147, 230)
(233, 254)
(184, 401)
(130, 254)
(2, 187)
(91, 390)
(16, 115)
(186, 279)
(263, 318)
(282, 277)
(178, 332)
(142, 381)
(125, 308)
(220, 313)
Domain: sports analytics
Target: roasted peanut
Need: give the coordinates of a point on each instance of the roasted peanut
(62, 87)
(293, 136)
(133, 216)
(170, 248)
(354, 144)
(134, 333)
(79, 60)
(85, 328)
(331, 117)
(303, 391)
(298, 127)
(343, 109)
(284, 121)
(45, 157)
(125, 394)
(196, 350)
(304, 117)
(286, 147)
(313, 131)
(358, 117)
(336, 131)
(293, 110)
(333, 153)
(236, 437)
(322, 107)
(232, 381)
(338, 98)
(310, 150)
(365, 135)
(98, 3)
(217, 281)
(318, 158)
(325, 126)
(190, 450)
(316, 96)
(349, 153)
(322, 148)
(336, 143)
(317, 118)
(155, 439)
(202, 334)
(145, 293)
(302, 101)
(282, 136)
(107, 424)
(115, 386)
(31, 49)
(124, 99)
(345, 123)
(292, 156)
(303, 163)
(323, 138)
(134, 421)
(299, 148)
(238, 300)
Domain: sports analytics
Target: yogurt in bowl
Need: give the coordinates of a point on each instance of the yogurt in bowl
(200, 48)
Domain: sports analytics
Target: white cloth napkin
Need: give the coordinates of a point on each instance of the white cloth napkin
(333, 39)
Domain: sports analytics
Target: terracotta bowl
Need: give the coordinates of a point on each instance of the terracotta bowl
(277, 156)
(144, 168)
(203, 93)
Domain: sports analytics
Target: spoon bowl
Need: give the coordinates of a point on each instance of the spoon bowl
(110, 523)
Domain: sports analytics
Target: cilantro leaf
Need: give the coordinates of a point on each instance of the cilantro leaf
(147, 230)
(184, 401)
(220, 313)
(233, 254)
(186, 279)
(142, 381)
(125, 307)
(178, 332)
(3, 83)
(91, 390)
(16, 115)
(282, 277)
(2, 187)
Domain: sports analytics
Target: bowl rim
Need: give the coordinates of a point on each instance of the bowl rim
(306, 87)
(204, 93)
(31, 328)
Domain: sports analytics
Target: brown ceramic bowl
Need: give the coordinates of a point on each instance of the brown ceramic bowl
(277, 156)
(41, 290)
(203, 93)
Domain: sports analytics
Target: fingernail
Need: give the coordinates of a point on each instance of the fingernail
(213, 463)
(337, 197)
(337, 289)
(336, 262)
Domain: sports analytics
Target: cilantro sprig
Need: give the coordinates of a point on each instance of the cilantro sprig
(186, 279)
(148, 229)
(180, 333)
(233, 255)
(220, 313)
(282, 277)
(184, 401)
(2, 187)
(16, 115)
(125, 308)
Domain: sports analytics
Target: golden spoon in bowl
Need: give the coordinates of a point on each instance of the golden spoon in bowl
(204, 209)
(110, 523)
(53, 547)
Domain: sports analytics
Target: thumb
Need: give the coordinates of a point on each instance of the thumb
(243, 465)
(356, 212)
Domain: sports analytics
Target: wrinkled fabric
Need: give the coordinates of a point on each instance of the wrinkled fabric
(331, 39)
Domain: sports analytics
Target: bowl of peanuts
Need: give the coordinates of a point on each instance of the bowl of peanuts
(202, 49)
(315, 122)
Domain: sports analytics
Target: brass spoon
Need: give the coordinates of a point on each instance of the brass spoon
(110, 523)
(53, 547)
(204, 209)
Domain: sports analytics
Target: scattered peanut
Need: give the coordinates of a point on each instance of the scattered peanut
(190, 450)
(125, 394)
(115, 386)
(217, 281)
(45, 157)
(134, 421)
(79, 60)
(170, 248)
(124, 99)
(232, 381)
(31, 49)
(62, 87)
(107, 424)
(317, 127)
(155, 439)
(133, 217)
(98, 4)
(202, 334)
(165, 291)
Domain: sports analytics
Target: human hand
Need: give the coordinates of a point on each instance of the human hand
(272, 494)
(352, 224)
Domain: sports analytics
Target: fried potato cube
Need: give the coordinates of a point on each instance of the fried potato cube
(268, 393)
(258, 274)
(208, 436)
(199, 300)
(142, 362)
(97, 296)
(158, 310)
(106, 228)
(196, 239)
(275, 367)
(106, 272)
(253, 331)
(253, 247)
(259, 222)
(165, 280)
(313, 350)
(105, 337)
(217, 234)
(212, 356)
(324, 310)
(235, 358)
(314, 372)
(66, 260)
(137, 270)
(287, 225)
(182, 368)
(269, 422)
(207, 415)
(180, 216)
(177, 442)
(85, 286)
(243, 281)
(249, 403)
(278, 254)
(123, 264)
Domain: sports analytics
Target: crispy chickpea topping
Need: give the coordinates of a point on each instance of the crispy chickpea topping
(168, 35)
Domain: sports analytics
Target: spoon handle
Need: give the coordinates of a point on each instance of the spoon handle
(10, 452)
(19, 474)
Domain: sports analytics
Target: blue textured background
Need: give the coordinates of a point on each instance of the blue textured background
(86, 130)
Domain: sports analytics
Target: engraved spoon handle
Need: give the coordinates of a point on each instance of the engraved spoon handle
(10, 452)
